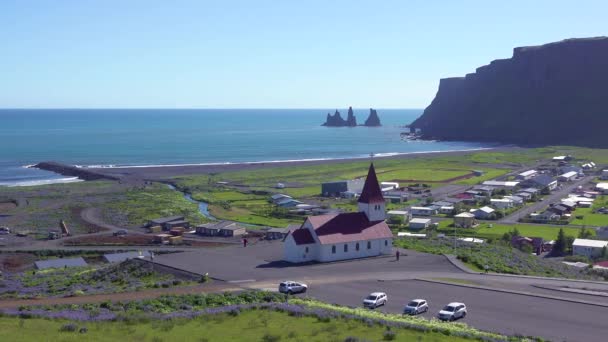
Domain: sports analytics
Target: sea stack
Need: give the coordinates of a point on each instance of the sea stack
(372, 120)
(543, 95)
(334, 120)
(351, 120)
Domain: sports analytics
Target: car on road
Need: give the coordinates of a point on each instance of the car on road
(375, 299)
(291, 287)
(415, 307)
(452, 312)
(121, 232)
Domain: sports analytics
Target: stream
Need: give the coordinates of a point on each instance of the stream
(203, 207)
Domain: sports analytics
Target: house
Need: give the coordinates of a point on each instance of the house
(335, 189)
(568, 176)
(484, 213)
(542, 182)
(288, 203)
(559, 209)
(465, 220)
(279, 197)
(602, 187)
(447, 209)
(344, 236)
(561, 158)
(162, 238)
(545, 216)
(419, 223)
(404, 214)
(161, 221)
(602, 233)
(531, 191)
(60, 263)
(174, 224)
(604, 175)
(517, 200)
(215, 228)
(423, 211)
(526, 175)
(501, 184)
(389, 186)
(232, 231)
(484, 190)
(280, 233)
(571, 168)
(588, 248)
(526, 196)
(395, 196)
(501, 203)
(537, 244)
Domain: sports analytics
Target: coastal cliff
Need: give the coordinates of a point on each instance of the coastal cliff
(550, 94)
(336, 119)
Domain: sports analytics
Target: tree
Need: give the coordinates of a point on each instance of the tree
(515, 232)
(604, 255)
(560, 242)
(585, 233)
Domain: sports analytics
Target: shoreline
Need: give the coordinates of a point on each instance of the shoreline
(164, 172)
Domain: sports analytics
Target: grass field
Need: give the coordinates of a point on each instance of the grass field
(258, 325)
(589, 217)
(496, 232)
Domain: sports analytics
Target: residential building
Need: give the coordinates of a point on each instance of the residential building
(120, 257)
(423, 211)
(501, 203)
(483, 213)
(531, 191)
(288, 203)
(344, 236)
(419, 223)
(335, 189)
(526, 175)
(464, 220)
(389, 186)
(588, 248)
(602, 187)
(174, 224)
(395, 196)
(517, 200)
(161, 221)
(447, 210)
(280, 233)
(232, 231)
(526, 196)
(542, 182)
(545, 216)
(568, 176)
(484, 190)
(276, 198)
(604, 174)
(501, 184)
(214, 228)
(404, 214)
(559, 209)
(537, 244)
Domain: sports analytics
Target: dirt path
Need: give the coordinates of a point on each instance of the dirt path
(93, 216)
(215, 286)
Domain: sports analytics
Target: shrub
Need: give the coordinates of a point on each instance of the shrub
(389, 335)
(70, 327)
(83, 330)
(270, 338)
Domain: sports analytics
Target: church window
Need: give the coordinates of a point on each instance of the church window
(369, 245)
(306, 249)
(357, 246)
(345, 248)
(386, 242)
(333, 249)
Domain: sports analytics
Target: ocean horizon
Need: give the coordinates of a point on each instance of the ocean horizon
(165, 137)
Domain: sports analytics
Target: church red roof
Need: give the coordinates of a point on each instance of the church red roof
(302, 236)
(348, 227)
(371, 189)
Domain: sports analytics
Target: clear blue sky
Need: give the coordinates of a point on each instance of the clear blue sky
(264, 54)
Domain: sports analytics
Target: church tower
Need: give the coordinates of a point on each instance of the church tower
(371, 201)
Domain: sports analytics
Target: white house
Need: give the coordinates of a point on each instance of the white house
(501, 203)
(501, 184)
(568, 176)
(483, 213)
(526, 175)
(602, 187)
(604, 174)
(588, 248)
(344, 236)
(464, 220)
(423, 211)
(446, 209)
(517, 200)
(389, 185)
(399, 213)
(420, 223)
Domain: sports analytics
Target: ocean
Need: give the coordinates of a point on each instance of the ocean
(119, 137)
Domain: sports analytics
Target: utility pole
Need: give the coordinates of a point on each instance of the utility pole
(454, 239)
(152, 260)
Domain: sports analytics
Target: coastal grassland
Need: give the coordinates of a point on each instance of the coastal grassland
(261, 216)
(496, 231)
(589, 217)
(40, 208)
(499, 258)
(138, 205)
(253, 325)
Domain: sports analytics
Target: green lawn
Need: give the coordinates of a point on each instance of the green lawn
(589, 218)
(257, 325)
(497, 230)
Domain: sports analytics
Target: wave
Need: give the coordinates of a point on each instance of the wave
(375, 155)
(42, 182)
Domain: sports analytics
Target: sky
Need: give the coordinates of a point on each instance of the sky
(264, 54)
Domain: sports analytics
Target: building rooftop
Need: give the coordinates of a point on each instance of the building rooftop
(162, 220)
(589, 243)
(120, 257)
(420, 220)
(347, 227)
(465, 214)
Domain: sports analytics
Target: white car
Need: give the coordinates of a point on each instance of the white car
(452, 311)
(375, 299)
(416, 306)
(291, 287)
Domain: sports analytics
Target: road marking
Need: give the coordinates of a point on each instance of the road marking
(241, 281)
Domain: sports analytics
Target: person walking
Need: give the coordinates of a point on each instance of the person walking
(244, 242)
(397, 255)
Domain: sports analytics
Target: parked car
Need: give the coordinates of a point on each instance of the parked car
(121, 232)
(416, 306)
(5, 230)
(375, 299)
(452, 311)
(291, 287)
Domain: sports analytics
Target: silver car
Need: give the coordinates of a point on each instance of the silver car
(452, 312)
(375, 299)
(291, 287)
(416, 306)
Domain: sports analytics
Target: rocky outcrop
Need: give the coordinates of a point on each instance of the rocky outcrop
(549, 94)
(372, 120)
(351, 120)
(73, 171)
(334, 120)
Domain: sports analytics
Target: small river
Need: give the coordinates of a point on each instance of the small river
(203, 207)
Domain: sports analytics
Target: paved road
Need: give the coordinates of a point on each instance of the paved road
(487, 310)
(555, 196)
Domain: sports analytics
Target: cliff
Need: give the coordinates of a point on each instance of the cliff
(372, 120)
(549, 94)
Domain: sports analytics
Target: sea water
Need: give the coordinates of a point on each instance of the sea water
(119, 137)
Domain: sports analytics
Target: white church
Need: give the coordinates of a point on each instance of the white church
(344, 236)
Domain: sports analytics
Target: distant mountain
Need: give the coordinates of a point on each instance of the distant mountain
(336, 119)
(550, 94)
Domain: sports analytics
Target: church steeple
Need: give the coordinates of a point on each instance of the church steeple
(371, 201)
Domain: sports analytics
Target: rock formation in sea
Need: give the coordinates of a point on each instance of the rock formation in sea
(550, 94)
(334, 120)
(351, 120)
(372, 120)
